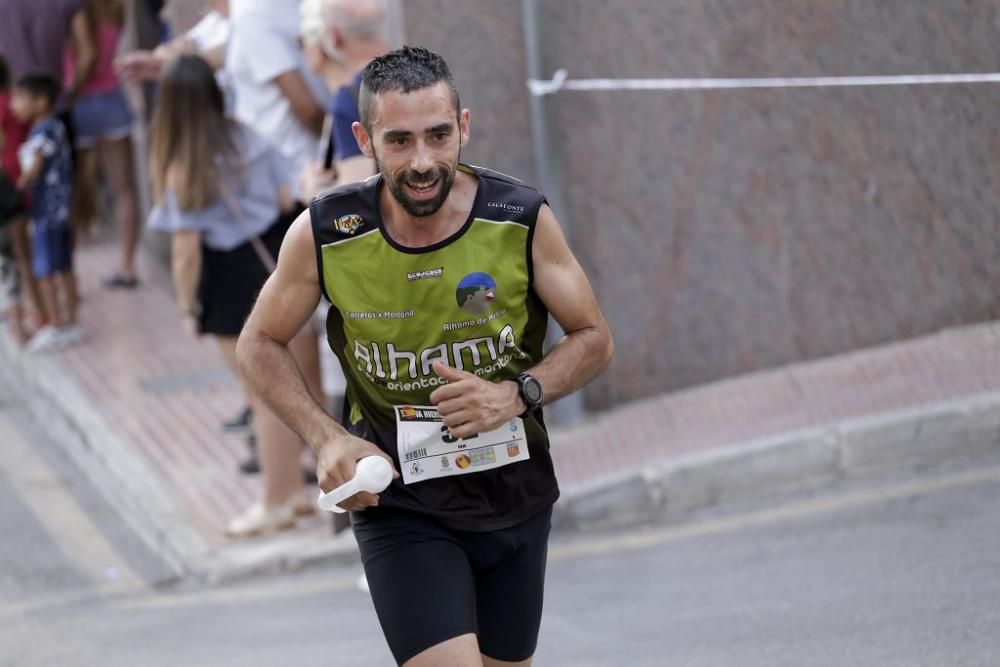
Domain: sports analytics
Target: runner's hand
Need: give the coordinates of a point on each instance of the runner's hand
(470, 405)
(335, 463)
(314, 179)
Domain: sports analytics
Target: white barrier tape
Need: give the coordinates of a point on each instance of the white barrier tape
(560, 82)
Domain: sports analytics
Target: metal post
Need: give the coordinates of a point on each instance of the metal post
(569, 409)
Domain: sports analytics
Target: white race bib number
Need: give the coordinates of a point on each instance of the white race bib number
(427, 451)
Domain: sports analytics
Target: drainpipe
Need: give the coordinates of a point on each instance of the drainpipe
(569, 409)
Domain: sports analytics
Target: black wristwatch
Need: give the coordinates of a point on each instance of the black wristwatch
(530, 390)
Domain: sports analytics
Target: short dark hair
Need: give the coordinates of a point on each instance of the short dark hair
(40, 85)
(407, 69)
(4, 74)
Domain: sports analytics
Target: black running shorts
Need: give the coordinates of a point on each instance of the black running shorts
(430, 583)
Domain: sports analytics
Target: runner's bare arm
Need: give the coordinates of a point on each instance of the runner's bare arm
(286, 302)
(563, 287)
(470, 405)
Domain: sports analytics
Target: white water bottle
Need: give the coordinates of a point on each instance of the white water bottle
(372, 474)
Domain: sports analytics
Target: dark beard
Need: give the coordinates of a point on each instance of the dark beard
(420, 209)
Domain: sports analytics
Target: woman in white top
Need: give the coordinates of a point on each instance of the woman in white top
(223, 193)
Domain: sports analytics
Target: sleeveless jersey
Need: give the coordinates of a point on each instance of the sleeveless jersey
(467, 301)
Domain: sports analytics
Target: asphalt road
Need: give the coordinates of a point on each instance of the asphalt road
(893, 572)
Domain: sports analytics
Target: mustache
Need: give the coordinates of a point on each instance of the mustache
(419, 179)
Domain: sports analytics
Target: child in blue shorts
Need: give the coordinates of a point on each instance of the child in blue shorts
(46, 178)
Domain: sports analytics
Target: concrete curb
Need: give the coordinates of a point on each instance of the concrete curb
(110, 463)
(920, 437)
(290, 552)
(912, 439)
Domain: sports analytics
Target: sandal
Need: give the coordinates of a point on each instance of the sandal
(118, 281)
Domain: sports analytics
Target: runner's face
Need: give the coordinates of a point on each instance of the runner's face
(416, 142)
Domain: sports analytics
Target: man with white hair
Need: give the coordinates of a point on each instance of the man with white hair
(275, 93)
(340, 37)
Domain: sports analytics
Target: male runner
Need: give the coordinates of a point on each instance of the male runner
(441, 277)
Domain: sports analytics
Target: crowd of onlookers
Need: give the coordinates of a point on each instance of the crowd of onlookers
(251, 117)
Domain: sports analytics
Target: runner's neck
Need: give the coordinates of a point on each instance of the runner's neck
(418, 232)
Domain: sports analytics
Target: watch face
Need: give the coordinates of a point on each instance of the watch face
(532, 390)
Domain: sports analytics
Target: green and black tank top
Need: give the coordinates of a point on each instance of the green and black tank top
(467, 301)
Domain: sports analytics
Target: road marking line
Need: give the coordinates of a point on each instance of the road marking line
(71, 530)
(797, 510)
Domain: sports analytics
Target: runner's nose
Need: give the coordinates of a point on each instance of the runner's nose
(423, 160)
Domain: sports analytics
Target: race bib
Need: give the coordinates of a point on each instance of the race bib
(427, 451)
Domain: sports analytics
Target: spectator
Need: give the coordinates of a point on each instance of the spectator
(208, 38)
(102, 123)
(13, 223)
(340, 37)
(40, 50)
(275, 93)
(224, 194)
(46, 173)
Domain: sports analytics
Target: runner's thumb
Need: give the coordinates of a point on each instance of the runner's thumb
(450, 374)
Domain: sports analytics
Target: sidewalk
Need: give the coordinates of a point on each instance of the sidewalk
(140, 404)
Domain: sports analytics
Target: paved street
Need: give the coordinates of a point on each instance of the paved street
(900, 572)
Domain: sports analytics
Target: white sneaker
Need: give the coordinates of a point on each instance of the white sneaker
(260, 520)
(70, 335)
(45, 339)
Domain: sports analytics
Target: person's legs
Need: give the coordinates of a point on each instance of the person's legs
(44, 248)
(117, 165)
(83, 207)
(491, 662)
(67, 281)
(21, 246)
(61, 256)
(510, 582)
(50, 301)
(458, 652)
(278, 445)
(10, 287)
(422, 586)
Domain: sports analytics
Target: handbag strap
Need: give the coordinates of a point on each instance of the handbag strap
(266, 258)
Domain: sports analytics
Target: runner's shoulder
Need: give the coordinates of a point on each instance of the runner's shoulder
(507, 198)
(346, 211)
(504, 181)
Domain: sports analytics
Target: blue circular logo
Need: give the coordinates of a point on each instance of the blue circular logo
(476, 293)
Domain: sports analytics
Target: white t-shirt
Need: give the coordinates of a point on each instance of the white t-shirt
(263, 44)
(211, 32)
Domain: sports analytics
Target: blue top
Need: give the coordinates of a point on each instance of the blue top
(345, 112)
(253, 187)
(50, 193)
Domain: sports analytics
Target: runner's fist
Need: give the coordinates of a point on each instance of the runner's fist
(469, 405)
(335, 464)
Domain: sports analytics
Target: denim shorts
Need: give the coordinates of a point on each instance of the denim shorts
(51, 250)
(101, 116)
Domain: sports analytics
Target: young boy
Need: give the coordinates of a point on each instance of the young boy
(46, 176)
